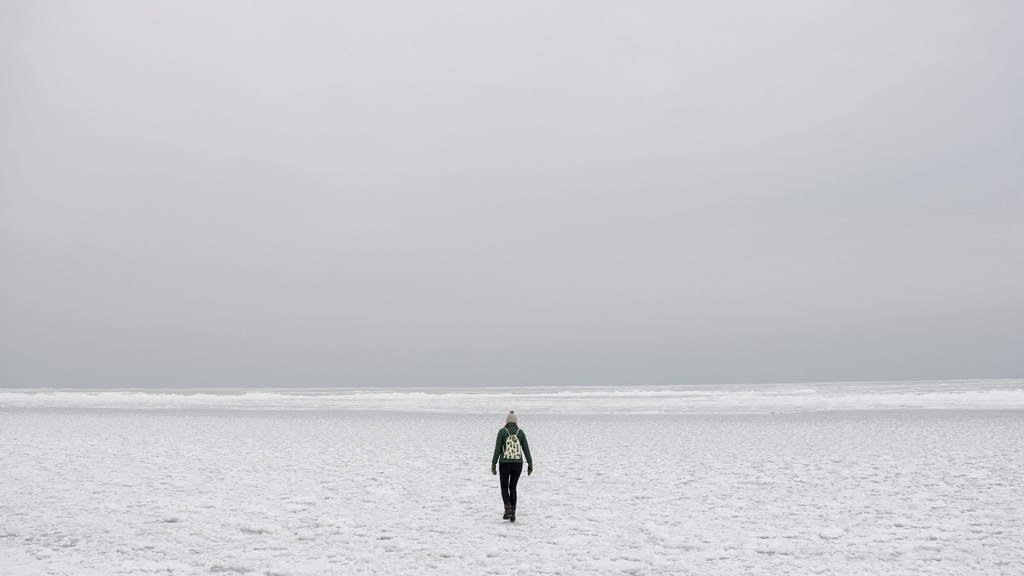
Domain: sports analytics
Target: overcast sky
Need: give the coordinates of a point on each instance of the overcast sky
(509, 193)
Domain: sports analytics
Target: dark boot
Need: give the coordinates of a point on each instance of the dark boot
(512, 513)
(508, 511)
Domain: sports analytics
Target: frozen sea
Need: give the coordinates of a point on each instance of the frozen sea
(892, 478)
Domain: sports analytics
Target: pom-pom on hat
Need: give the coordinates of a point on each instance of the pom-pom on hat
(511, 418)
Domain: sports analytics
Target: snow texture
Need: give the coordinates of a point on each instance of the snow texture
(202, 491)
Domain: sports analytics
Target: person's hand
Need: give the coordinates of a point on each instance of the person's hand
(529, 469)
(494, 469)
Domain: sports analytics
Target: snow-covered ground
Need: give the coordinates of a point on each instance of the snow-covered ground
(257, 489)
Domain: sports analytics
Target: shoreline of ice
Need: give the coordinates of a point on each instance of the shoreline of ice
(724, 399)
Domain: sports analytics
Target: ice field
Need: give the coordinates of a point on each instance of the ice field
(828, 479)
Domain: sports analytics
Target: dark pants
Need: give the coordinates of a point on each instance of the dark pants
(509, 473)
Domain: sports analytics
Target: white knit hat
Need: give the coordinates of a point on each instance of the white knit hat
(511, 418)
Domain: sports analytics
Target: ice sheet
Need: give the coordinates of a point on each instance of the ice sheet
(185, 491)
(736, 399)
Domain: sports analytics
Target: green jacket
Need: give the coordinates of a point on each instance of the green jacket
(499, 445)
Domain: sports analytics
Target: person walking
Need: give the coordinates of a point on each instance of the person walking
(509, 450)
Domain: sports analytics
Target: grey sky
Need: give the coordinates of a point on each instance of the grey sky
(522, 193)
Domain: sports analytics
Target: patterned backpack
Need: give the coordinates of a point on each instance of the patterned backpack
(513, 451)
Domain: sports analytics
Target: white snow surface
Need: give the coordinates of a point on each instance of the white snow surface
(225, 489)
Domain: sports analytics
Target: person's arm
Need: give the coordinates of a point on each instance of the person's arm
(526, 448)
(497, 447)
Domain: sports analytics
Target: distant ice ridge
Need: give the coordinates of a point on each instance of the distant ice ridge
(727, 399)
